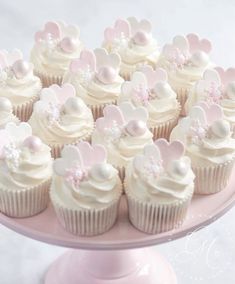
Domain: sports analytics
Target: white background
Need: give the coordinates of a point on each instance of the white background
(207, 256)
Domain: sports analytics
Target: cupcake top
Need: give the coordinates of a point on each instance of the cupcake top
(17, 81)
(59, 117)
(6, 113)
(161, 174)
(25, 162)
(185, 60)
(95, 76)
(216, 86)
(206, 135)
(123, 132)
(55, 46)
(83, 178)
(134, 41)
(149, 88)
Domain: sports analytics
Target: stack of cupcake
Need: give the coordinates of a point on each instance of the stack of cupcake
(83, 128)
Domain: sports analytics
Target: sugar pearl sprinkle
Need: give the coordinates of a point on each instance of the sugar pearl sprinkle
(74, 176)
(53, 113)
(178, 59)
(154, 168)
(12, 155)
(86, 76)
(120, 42)
(214, 94)
(113, 133)
(141, 94)
(197, 132)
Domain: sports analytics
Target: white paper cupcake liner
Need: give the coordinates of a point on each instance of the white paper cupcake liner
(153, 218)
(24, 203)
(97, 110)
(182, 95)
(57, 148)
(48, 80)
(84, 222)
(164, 130)
(213, 179)
(24, 111)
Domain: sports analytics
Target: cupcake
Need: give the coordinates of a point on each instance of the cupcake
(123, 132)
(6, 113)
(185, 60)
(25, 171)
(85, 190)
(55, 46)
(159, 185)
(95, 76)
(60, 118)
(18, 83)
(149, 88)
(216, 86)
(134, 42)
(208, 142)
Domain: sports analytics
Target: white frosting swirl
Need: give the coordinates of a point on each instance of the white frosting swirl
(122, 150)
(34, 168)
(68, 129)
(91, 194)
(163, 189)
(94, 92)
(52, 60)
(20, 91)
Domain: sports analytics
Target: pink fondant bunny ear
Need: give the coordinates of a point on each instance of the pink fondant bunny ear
(103, 58)
(226, 76)
(154, 76)
(213, 111)
(111, 113)
(196, 44)
(92, 154)
(51, 28)
(70, 157)
(64, 92)
(121, 27)
(86, 60)
(170, 150)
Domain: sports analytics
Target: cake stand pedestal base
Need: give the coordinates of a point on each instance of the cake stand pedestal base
(136, 266)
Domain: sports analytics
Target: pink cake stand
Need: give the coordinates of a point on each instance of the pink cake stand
(120, 256)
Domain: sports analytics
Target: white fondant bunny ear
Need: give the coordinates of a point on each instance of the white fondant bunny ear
(213, 111)
(212, 75)
(142, 25)
(63, 92)
(131, 112)
(68, 30)
(181, 43)
(48, 95)
(103, 58)
(154, 76)
(70, 157)
(198, 113)
(18, 132)
(138, 79)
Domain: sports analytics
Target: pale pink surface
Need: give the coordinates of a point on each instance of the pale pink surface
(45, 227)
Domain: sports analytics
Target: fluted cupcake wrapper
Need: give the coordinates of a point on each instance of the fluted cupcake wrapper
(57, 148)
(97, 110)
(212, 179)
(24, 203)
(182, 96)
(154, 218)
(164, 130)
(47, 79)
(24, 111)
(85, 222)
